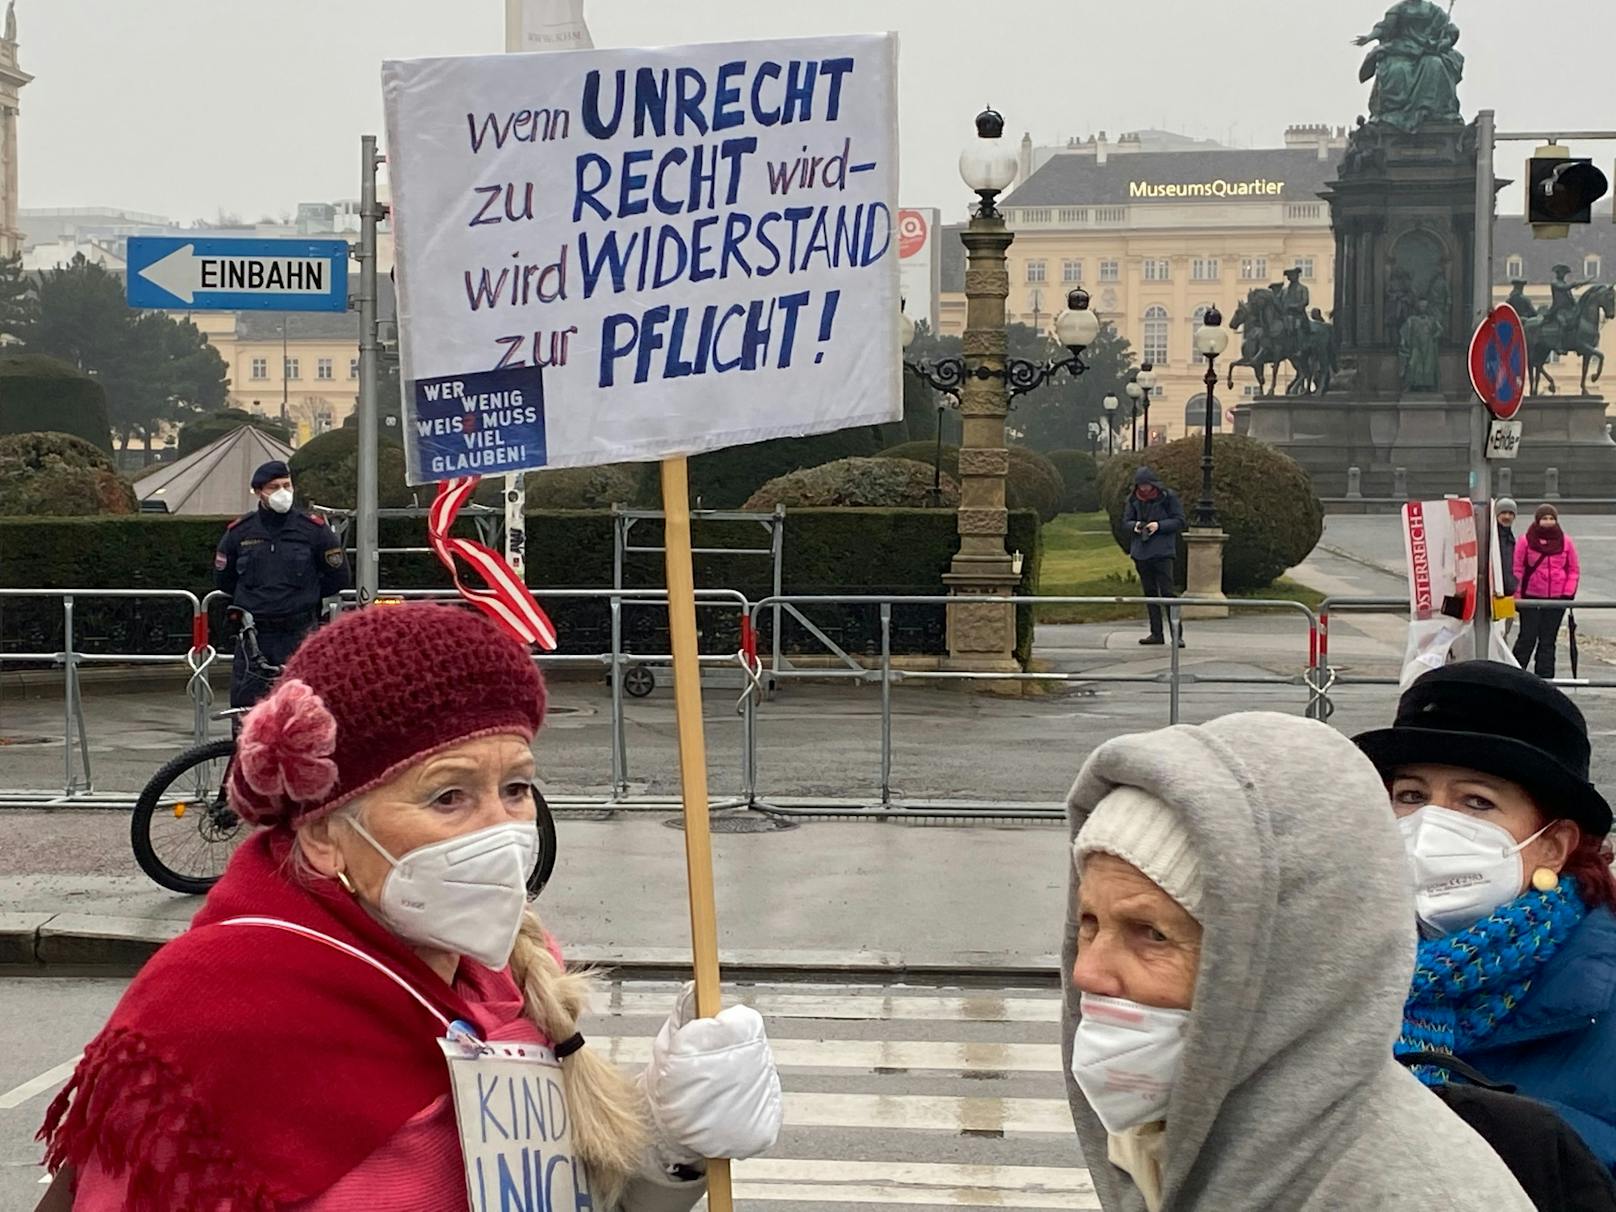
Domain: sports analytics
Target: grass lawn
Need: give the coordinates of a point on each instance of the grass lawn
(1082, 560)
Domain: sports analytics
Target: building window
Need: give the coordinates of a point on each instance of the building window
(1158, 269)
(1071, 271)
(323, 369)
(1155, 343)
(1111, 214)
(1198, 319)
(1254, 269)
(260, 368)
(1304, 210)
(1249, 391)
(1515, 267)
(1205, 269)
(1110, 271)
(1035, 305)
(1195, 413)
(293, 371)
(353, 368)
(1590, 267)
(1305, 264)
(1074, 214)
(1035, 271)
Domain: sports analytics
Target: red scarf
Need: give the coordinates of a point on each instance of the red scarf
(1545, 542)
(248, 1067)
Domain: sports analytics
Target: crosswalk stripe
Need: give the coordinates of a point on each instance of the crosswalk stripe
(928, 1113)
(1056, 1180)
(870, 1055)
(987, 1008)
(928, 1197)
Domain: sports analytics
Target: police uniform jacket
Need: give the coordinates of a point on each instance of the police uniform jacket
(280, 566)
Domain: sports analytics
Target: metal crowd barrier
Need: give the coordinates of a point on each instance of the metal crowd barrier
(78, 787)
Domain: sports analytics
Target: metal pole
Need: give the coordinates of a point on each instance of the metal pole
(937, 463)
(886, 703)
(620, 526)
(1481, 488)
(1205, 512)
(284, 369)
(1172, 668)
(778, 544)
(69, 781)
(367, 568)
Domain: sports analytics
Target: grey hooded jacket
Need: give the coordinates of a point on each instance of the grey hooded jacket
(1289, 1097)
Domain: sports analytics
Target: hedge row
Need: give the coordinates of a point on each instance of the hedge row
(830, 551)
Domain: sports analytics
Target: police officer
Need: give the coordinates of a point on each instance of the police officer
(278, 563)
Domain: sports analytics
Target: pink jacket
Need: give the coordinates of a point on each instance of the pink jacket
(1555, 576)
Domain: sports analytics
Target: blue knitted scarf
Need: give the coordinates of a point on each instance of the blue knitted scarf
(1466, 983)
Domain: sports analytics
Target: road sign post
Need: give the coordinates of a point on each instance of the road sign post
(179, 273)
(1481, 477)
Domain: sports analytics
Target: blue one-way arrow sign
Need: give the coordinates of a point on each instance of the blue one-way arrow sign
(238, 275)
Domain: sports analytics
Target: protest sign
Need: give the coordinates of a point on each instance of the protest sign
(515, 1130)
(631, 255)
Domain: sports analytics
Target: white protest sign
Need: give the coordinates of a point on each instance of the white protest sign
(515, 1133)
(546, 25)
(630, 255)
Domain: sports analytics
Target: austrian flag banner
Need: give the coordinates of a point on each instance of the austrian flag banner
(1442, 546)
(629, 255)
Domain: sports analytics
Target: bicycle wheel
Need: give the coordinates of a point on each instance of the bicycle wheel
(545, 866)
(183, 830)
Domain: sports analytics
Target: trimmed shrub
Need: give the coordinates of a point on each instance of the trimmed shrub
(40, 394)
(1266, 504)
(204, 431)
(630, 484)
(855, 482)
(325, 471)
(1033, 482)
(1080, 472)
(826, 551)
(724, 479)
(57, 474)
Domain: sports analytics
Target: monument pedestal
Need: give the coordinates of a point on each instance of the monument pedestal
(981, 635)
(1203, 576)
(1429, 437)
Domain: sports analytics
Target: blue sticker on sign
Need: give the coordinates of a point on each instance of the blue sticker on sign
(479, 424)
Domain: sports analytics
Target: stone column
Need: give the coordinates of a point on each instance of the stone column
(982, 638)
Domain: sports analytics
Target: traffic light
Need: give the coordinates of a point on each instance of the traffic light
(1561, 190)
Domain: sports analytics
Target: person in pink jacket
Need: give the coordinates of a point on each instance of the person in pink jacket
(1546, 569)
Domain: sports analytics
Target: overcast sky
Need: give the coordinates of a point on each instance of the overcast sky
(186, 108)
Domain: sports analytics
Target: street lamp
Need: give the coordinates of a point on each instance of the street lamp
(1134, 392)
(1211, 339)
(1147, 384)
(1110, 404)
(1076, 328)
(988, 165)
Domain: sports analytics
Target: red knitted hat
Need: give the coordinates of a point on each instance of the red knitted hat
(376, 692)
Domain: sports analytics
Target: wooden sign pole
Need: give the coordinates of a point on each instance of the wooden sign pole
(693, 768)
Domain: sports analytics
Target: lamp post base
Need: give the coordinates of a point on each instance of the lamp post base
(1204, 577)
(982, 636)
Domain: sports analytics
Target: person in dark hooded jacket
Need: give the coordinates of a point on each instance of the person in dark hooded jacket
(1154, 518)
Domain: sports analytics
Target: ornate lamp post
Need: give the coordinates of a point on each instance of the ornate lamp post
(1147, 385)
(981, 637)
(1110, 404)
(1204, 540)
(1134, 393)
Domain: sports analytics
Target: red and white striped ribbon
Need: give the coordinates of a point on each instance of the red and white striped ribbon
(506, 600)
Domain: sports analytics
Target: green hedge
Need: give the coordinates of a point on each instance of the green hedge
(40, 393)
(1080, 471)
(826, 551)
(1033, 482)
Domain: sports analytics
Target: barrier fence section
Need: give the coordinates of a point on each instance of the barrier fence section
(78, 779)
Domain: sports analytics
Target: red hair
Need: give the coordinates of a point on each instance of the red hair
(1589, 865)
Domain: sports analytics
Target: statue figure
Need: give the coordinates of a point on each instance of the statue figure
(1524, 307)
(11, 21)
(1293, 302)
(1416, 349)
(1570, 326)
(1399, 304)
(1558, 320)
(1440, 297)
(1415, 67)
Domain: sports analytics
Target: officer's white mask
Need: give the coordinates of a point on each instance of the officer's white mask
(280, 500)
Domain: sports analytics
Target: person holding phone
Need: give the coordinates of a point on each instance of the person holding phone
(1154, 518)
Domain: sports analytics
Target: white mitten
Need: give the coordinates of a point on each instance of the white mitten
(711, 1085)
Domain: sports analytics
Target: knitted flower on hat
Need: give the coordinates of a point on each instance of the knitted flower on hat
(378, 691)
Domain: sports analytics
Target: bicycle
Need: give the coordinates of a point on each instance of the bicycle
(183, 830)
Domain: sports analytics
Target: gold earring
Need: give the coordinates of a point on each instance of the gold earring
(1545, 879)
(347, 884)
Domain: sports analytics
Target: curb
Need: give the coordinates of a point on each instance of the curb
(1364, 561)
(108, 945)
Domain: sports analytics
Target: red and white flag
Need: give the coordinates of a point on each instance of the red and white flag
(506, 600)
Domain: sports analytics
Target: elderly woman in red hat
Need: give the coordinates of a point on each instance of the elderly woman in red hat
(294, 1049)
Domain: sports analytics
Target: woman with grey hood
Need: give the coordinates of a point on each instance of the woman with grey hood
(1239, 945)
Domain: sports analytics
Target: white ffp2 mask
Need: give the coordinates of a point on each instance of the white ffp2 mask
(1464, 867)
(1126, 1058)
(464, 894)
(280, 500)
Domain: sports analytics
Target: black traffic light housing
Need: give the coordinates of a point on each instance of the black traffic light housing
(1562, 191)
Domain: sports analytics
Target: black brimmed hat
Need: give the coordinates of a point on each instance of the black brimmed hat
(1493, 718)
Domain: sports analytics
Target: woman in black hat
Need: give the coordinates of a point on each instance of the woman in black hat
(1508, 840)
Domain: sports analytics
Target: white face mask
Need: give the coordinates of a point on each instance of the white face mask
(280, 500)
(1464, 867)
(465, 894)
(1126, 1058)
